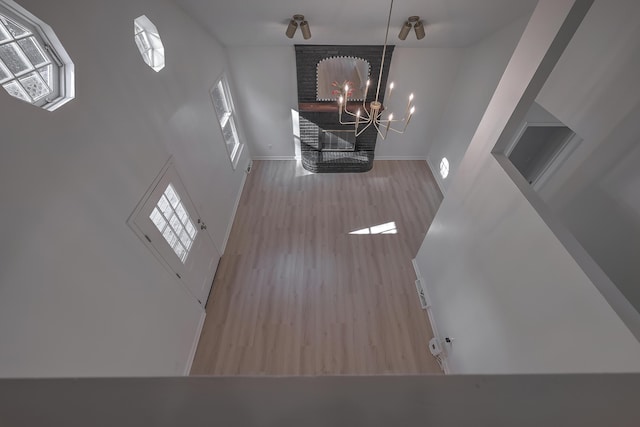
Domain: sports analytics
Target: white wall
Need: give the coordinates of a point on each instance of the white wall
(80, 294)
(474, 85)
(594, 86)
(266, 92)
(501, 283)
(430, 75)
(604, 215)
(594, 90)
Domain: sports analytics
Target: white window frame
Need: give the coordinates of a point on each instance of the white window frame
(227, 117)
(63, 70)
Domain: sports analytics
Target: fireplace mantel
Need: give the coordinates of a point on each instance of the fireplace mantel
(330, 107)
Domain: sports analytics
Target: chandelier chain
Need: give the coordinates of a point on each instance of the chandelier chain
(384, 51)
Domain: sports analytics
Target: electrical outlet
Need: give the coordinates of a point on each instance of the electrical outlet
(435, 347)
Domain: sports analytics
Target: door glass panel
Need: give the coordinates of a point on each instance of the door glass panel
(191, 230)
(185, 238)
(176, 225)
(172, 196)
(181, 233)
(182, 214)
(180, 251)
(158, 219)
(170, 236)
(165, 207)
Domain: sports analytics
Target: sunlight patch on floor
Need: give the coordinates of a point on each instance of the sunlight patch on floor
(386, 228)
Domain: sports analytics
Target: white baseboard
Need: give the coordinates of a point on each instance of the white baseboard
(274, 158)
(432, 320)
(194, 347)
(436, 174)
(233, 215)
(400, 158)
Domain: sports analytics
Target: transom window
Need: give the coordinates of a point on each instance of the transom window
(222, 103)
(149, 43)
(174, 222)
(30, 68)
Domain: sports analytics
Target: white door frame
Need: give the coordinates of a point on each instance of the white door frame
(143, 238)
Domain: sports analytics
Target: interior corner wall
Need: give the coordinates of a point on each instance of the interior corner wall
(266, 92)
(475, 83)
(501, 283)
(594, 86)
(594, 90)
(80, 294)
(428, 73)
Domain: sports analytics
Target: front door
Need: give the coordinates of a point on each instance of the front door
(172, 228)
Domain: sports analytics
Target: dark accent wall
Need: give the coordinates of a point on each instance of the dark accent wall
(307, 59)
(308, 56)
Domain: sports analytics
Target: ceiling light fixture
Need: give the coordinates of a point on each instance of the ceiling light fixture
(293, 26)
(404, 31)
(373, 115)
(418, 26)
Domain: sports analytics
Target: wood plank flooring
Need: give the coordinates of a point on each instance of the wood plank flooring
(296, 294)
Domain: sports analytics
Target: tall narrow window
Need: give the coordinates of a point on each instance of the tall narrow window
(33, 64)
(223, 105)
(149, 43)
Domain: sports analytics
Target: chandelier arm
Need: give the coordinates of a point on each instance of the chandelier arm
(358, 133)
(364, 119)
(350, 113)
(346, 111)
(397, 131)
(369, 116)
(364, 104)
(353, 122)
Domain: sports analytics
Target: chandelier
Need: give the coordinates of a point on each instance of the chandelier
(364, 118)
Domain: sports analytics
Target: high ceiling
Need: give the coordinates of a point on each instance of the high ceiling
(448, 23)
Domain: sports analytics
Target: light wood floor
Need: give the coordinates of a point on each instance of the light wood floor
(296, 294)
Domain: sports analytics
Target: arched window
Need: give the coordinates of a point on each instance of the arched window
(149, 42)
(34, 66)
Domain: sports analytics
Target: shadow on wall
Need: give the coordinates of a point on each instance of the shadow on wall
(600, 202)
(609, 229)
